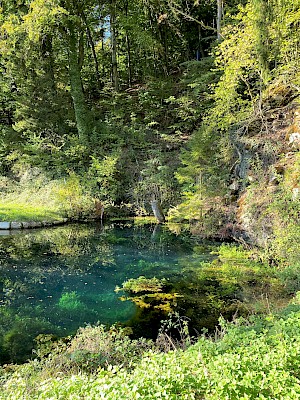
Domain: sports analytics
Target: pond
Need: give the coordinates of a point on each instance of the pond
(58, 279)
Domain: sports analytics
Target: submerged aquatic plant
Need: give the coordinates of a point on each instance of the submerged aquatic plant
(142, 284)
(70, 301)
(148, 293)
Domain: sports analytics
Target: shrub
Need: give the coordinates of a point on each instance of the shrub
(249, 360)
(95, 347)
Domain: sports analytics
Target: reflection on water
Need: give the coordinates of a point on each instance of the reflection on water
(57, 279)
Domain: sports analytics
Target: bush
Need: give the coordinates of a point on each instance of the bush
(249, 360)
(290, 277)
(74, 201)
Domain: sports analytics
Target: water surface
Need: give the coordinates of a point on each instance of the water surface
(57, 279)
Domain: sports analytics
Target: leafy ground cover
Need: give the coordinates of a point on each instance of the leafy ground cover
(247, 360)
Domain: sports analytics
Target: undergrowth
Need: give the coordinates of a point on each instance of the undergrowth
(247, 360)
(32, 196)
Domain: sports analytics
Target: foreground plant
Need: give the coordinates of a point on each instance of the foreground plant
(247, 360)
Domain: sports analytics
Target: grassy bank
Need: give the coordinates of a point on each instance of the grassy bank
(35, 197)
(24, 212)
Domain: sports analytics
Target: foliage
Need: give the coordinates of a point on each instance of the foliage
(61, 112)
(248, 360)
(142, 284)
(256, 75)
(32, 195)
(149, 293)
(71, 301)
(95, 347)
(101, 177)
(285, 245)
(18, 333)
(73, 200)
(174, 334)
(289, 275)
(123, 102)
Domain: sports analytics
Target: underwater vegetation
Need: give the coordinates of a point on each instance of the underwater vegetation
(54, 281)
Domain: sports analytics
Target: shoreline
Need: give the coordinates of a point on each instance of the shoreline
(16, 225)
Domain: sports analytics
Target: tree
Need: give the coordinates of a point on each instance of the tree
(113, 39)
(219, 18)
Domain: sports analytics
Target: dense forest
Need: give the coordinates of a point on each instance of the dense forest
(189, 103)
(193, 104)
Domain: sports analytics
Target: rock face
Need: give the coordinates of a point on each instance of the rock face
(294, 139)
(29, 224)
(16, 225)
(265, 174)
(296, 194)
(256, 227)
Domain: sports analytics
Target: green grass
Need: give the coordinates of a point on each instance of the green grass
(137, 220)
(36, 198)
(25, 212)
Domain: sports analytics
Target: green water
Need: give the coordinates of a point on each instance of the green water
(55, 280)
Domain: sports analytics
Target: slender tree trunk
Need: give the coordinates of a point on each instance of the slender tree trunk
(92, 44)
(114, 60)
(219, 18)
(200, 42)
(47, 54)
(129, 67)
(102, 49)
(83, 120)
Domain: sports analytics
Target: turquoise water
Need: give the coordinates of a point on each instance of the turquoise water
(55, 280)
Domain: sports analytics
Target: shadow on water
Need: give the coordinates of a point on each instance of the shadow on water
(58, 279)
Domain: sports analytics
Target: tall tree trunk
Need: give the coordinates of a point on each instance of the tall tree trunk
(129, 67)
(219, 18)
(47, 54)
(92, 44)
(200, 43)
(83, 120)
(113, 38)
